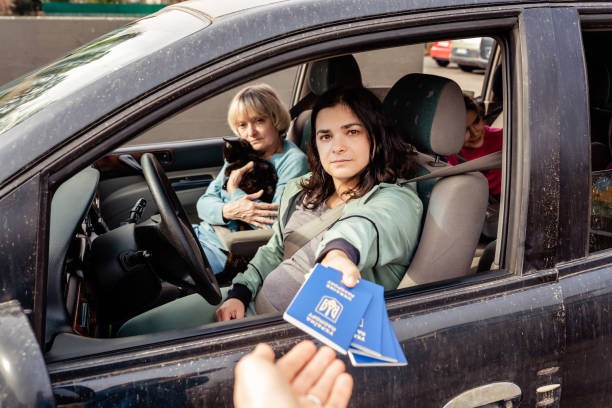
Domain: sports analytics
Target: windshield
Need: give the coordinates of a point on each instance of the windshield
(27, 95)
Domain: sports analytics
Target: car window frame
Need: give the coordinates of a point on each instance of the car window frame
(100, 140)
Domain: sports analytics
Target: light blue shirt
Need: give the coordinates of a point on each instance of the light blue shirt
(289, 164)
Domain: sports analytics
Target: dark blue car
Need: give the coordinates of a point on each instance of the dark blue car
(521, 315)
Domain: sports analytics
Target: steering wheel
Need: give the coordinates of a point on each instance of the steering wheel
(177, 230)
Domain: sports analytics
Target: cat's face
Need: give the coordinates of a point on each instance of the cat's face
(236, 149)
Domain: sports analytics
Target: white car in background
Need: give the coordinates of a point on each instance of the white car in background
(471, 53)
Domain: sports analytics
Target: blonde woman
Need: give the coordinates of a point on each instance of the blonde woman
(256, 115)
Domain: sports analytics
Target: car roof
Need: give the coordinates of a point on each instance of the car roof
(42, 110)
(217, 9)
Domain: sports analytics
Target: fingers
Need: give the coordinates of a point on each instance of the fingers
(258, 382)
(266, 206)
(229, 310)
(246, 168)
(262, 350)
(222, 314)
(254, 196)
(259, 225)
(323, 386)
(341, 392)
(262, 218)
(259, 205)
(305, 379)
(338, 259)
(291, 363)
(350, 276)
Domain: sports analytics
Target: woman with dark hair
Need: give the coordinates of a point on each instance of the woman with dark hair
(354, 157)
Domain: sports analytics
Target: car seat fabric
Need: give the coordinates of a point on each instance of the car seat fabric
(430, 113)
(341, 71)
(424, 108)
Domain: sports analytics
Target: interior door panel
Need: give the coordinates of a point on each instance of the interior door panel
(190, 166)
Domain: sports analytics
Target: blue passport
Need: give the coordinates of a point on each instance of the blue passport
(368, 337)
(328, 310)
(391, 353)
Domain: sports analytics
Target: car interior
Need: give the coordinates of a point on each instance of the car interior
(120, 242)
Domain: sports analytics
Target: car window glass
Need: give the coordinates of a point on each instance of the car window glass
(31, 94)
(209, 118)
(600, 236)
(600, 112)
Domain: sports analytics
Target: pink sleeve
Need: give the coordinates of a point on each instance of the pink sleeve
(496, 136)
(452, 160)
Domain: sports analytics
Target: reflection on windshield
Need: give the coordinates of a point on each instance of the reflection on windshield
(28, 95)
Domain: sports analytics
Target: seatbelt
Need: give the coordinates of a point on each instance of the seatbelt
(488, 162)
(302, 235)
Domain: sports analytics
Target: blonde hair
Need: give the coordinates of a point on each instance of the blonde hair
(258, 99)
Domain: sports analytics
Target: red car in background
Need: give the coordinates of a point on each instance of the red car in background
(440, 52)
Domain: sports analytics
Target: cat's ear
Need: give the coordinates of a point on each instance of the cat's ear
(228, 143)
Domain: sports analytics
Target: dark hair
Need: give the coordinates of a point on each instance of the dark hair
(472, 105)
(390, 156)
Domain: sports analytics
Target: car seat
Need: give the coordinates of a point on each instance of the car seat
(341, 71)
(429, 112)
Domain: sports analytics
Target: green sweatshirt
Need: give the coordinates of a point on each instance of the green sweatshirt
(383, 226)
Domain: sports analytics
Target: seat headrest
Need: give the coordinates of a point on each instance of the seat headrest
(342, 71)
(429, 111)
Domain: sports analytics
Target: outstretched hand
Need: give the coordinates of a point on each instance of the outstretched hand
(250, 211)
(338, 259)
(304, 377)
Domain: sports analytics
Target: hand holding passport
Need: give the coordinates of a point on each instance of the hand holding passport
(350, 320)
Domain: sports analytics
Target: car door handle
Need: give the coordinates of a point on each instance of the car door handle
(188, 183)
(131, 162)
(498, 394)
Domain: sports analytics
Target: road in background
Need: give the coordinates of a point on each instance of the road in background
(468, 81)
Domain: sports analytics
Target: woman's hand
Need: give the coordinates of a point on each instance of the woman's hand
(338, 259)
(235, 177)
(250, 211)
(230, 309)
(304, 377)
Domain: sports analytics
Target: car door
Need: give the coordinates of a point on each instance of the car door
(586, 281)
(465, 335)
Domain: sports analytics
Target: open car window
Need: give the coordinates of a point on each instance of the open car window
(189, 146)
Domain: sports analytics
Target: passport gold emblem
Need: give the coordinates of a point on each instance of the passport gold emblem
(330, 308)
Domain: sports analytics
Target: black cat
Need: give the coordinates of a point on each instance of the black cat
(238, 152)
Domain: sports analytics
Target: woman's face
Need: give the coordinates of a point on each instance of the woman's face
(260, 132)
(474, 130)
(343, 145)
